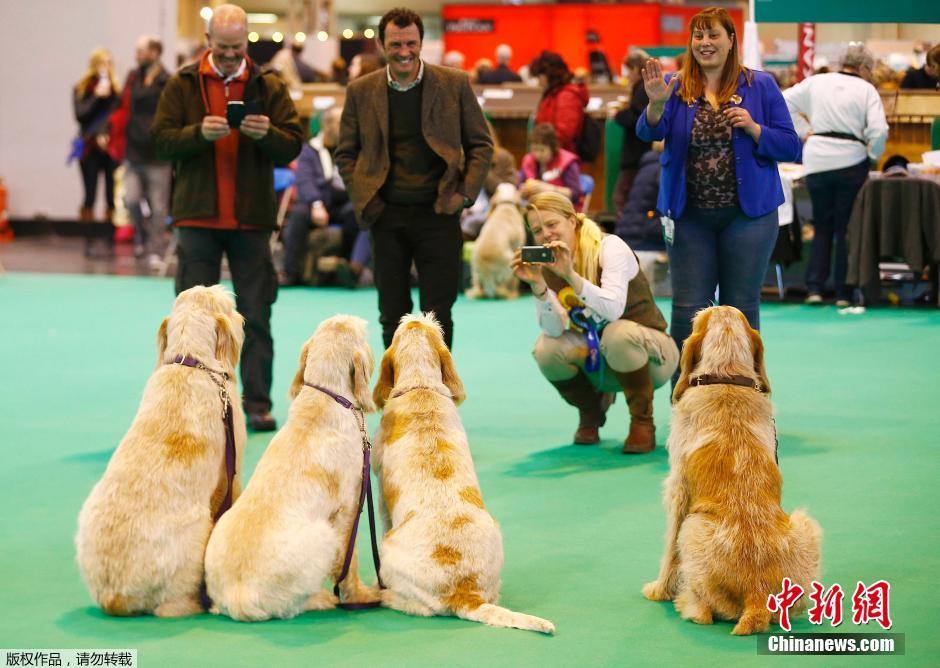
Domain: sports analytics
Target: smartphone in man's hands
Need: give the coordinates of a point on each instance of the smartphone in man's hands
(236, 110)
(537, 255)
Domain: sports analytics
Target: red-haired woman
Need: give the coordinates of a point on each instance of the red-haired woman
(562, 104)
(725, 128)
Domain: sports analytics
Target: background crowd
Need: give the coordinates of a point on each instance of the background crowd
(379, 190)
(114, 120)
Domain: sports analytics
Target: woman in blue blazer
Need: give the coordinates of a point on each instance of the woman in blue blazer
(725, 129)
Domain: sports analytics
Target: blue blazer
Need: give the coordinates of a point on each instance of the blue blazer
(759, 189)
(311, 183)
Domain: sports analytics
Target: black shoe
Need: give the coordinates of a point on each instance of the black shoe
(261, 421)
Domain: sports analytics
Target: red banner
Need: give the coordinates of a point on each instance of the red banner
(806, 51)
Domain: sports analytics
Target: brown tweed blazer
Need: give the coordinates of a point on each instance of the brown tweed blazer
(452, 124)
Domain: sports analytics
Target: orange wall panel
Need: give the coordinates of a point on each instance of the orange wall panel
(529, 29)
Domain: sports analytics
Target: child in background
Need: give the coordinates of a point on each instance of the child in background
(549, 168)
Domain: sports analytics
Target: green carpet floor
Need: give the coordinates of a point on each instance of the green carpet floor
(857, 416)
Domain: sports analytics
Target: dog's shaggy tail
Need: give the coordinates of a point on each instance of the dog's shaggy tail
(119, 605)
(800, 562)
(294, 568)
(494, 615)
(242, 604)
(805, 549)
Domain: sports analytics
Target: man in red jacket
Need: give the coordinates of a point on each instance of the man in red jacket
(223, 196)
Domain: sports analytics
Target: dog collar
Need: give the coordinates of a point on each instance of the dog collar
(338, 398)
(192, 362)
(406, 390)
(714, 379)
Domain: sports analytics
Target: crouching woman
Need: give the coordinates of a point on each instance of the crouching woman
(601, 330)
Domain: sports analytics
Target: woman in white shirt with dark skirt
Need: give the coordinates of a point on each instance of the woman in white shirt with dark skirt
(847, 131)
(594, 288)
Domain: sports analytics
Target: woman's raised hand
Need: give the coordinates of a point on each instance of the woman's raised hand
(563, 266)
(655, 84)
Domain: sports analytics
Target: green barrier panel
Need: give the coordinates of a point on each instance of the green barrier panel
(314, 124)
(613, 145)
(661, 51)
(846, 11)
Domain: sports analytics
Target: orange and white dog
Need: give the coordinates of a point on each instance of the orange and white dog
(502, 233)
(143, 529)
(271, 553)
(729, 544)
(442, 552)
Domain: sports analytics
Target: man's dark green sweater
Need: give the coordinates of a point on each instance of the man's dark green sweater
(414, 170)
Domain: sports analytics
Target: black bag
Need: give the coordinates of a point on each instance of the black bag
(589, 143)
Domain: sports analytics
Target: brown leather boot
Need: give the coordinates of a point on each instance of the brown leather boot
(592, 407)
(638, 388)
(86, 214)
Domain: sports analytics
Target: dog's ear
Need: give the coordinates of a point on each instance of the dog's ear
(757, 347)
(298, 381)
(691, 355)
(227, 344)
(449, 375)
(386, 379)
(161, 340)
(361, 374)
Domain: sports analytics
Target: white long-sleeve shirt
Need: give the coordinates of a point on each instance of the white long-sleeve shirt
(603, 303)
(835, 102)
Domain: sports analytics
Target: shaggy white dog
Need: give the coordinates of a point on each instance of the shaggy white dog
(270, 555)
(442, 553)
(502, 233)
(142, 532)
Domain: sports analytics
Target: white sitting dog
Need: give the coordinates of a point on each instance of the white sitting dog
(442, 553)
(143, 529)
(502, 233)
(271, 553)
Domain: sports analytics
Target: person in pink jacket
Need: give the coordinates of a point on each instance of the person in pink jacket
(550, 168)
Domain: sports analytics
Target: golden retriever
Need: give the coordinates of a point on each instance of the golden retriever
(271, 553)
(442, 552)
(729, 544)
(142, 532)
(502, 233)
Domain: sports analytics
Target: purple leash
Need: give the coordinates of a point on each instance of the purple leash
(365, 492)
(228, 420)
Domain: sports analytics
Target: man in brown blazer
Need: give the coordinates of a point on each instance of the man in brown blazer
(413, 151)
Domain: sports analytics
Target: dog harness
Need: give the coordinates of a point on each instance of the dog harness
(365, 492)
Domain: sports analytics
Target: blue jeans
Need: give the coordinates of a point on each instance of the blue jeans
(718, 248)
